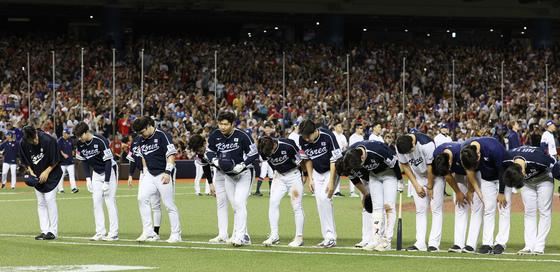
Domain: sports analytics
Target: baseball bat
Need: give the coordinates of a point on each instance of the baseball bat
(399, 224)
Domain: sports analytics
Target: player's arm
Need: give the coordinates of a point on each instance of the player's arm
(250, 149)
(211, 152)
(498, 161)
(25, 160)
(412, 178)
(107, 159)
(54, 159)
(459, 196)
(59, 143)
(472, 185)
(336, 153)
(170, 152)
(428, 154)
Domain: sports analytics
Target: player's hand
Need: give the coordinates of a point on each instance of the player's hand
(65, 156)
(105, 187)
(216, 162)
(400, 185)
(238, 168)
(502, 200)
(44, 176)
(212, 190)
(88, 185)
(430, 193)
(420, 191)
(460, 199)
(129, 182)
(330, 190)
(311, 184)
(470, 195)
(165, 178)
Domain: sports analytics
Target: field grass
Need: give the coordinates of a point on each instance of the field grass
(19, 224)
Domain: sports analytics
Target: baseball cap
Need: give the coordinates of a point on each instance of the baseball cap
(226, 164)
(443, 125)
(549, 123)
(556, 170)
(30, 180)
(67, 130)
(10, 133)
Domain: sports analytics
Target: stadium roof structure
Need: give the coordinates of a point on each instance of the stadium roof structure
(432, 8)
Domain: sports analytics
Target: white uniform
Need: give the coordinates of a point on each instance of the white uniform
(343, 144)
(12, 168)
(373, 137)
(418, 160)
(198, 178)
(537, 197)
(266, 171)
(442, 139)
(294, 137)
(548, 139)
(354, 138)
(71, 170)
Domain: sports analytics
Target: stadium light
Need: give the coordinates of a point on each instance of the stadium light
(428, 35)
(264, 31)
(454, 35)
(501, 35)
(447, 31)
(91, 16)
(365, 29)
(249, 34)
(491, 30)
(317, 23)
(524, 28)
(275, 28)
(522, 32)
(406, 30)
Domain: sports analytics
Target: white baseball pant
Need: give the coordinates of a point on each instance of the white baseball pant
(266, 170)
(486, 215)
(70, 169)
(383, 189)
(238, 189)
(198, 177)
(461, 214)
(289, 182)
(324, 205)
(221, 203)
(12, 168)
(47, 211)
(436, 205)
(149, 186)
(99, 197)
(537, 198)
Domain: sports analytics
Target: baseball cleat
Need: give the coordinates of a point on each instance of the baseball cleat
(110, 238)
(330, 243)
(361, 244)
(147, 238)
(321, 244)
(40, 237)
(97, 237)
(3, 185)
(297, 242)
(218, 240)
(271, 241)
(257, 194)
(485, 249)
(174, 238)
(498, 249)
(525, 251)
(455, 248)
(538, 252)
(61, 192)
(468, 249)
(433, 249)
(75, 190)
(383, 245)
(50, 236)
(247, 240)
(412, 248)
(354, 195)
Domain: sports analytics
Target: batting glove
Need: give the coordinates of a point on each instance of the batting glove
(400, 185)
(238, 168)
(105, 187)
(88, 185)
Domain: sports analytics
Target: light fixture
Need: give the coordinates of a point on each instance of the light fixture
(91, 16)
(491, 30)
(276, 28)
(524, 28)
(428, 34)
(453, 35)
(317, 23)
(522, 32)
(264, 31)
(365, 29)
(406, 30)
(447, 31)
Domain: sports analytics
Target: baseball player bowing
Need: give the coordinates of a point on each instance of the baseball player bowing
(233, 152)
(157, 149)
(530, 168)
(39, 154)
(383, 176)
(447, 166)
(320, 152)
(284, 157)
(94, 152)
(483, 159)
(415, 153)
(137, 162)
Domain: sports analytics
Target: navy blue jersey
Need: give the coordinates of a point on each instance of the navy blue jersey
(40, 157)
(66, 146)
(96, 154)
(155, 150)
(536, 161)
(379, 157)
(356, 176)
(10, 149)
(492, 155)
(237, 146)
(513, 140)
(455, 148)
(323, 151)
(134, 157)
(206, 167)
(285, 157)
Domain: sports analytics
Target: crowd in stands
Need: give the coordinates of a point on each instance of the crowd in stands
(179, 86)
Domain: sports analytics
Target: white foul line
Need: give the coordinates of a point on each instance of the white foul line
(313, 252)
(79, 197)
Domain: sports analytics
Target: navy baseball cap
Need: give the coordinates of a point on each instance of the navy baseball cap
(556, 170)
(549, 123)
(30, 180)
(67, 130)
(443, 125)
(226, 164)
(10, 133)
